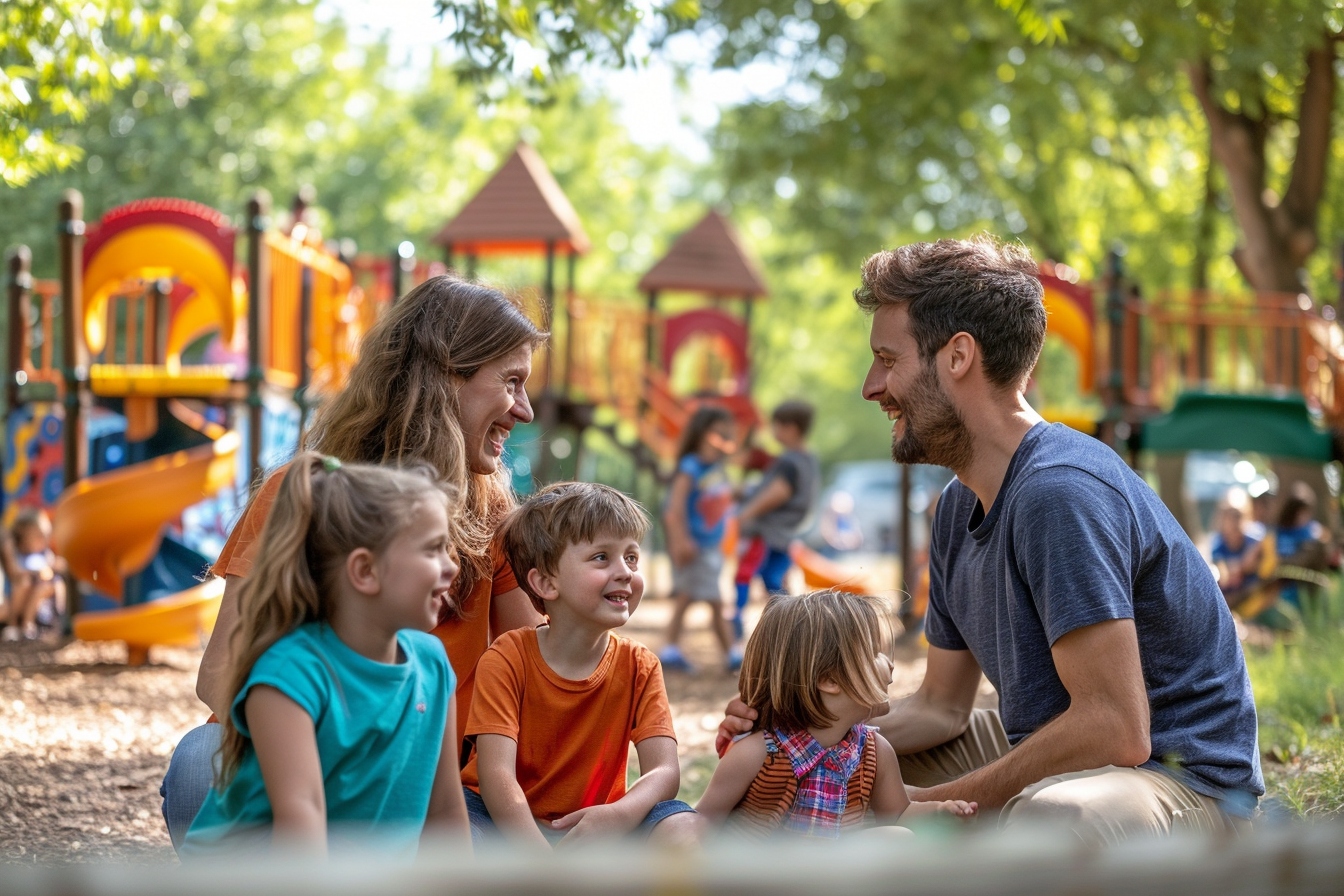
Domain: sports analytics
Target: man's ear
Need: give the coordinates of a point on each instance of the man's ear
(542, 585)
(962, 354)
(361, 569)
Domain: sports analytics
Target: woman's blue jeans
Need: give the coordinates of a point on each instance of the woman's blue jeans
(191, 774)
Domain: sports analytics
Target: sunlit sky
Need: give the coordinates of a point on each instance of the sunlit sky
(652, 107)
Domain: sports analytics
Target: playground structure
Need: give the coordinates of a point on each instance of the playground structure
(143, 409)
(161, 371)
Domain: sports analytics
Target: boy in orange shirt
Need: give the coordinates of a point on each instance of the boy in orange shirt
(557, 706)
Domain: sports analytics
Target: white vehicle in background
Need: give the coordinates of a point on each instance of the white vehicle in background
(858, 509)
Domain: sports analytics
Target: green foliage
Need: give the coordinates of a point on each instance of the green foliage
(538, 40)
(59, 59)
(1299, 689)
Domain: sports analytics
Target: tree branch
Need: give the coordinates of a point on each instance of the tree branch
(1316, 106)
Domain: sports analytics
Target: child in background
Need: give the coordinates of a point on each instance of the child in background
(1298, 540)
(557, 706)
(778, 508)
(1235, 554)
(341, 702)
(698, 503)
(814, 671)
(37, 592)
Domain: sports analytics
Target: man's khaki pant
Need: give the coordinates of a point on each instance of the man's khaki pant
(1101, 805)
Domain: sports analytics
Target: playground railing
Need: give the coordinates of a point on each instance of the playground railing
(1257, 342)
(314, 324)
(35, 338)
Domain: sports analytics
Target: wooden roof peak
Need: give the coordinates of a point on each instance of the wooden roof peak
(520, 209)
(709, 258)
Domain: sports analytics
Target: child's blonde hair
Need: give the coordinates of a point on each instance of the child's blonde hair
(323, 511)
(804, 639)
(537, 533)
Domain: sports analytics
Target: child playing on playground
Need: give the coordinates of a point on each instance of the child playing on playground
(557, 706)
(814, 670)
(37, 592)
(698, 503)
(341, 702)
(777, 509)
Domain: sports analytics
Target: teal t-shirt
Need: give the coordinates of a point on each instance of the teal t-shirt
(379, 732)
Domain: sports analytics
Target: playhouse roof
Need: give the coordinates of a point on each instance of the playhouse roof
(708, 258)
(519, 210)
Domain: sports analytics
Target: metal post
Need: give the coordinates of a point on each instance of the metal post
(1114, 394)
(566, 379)
(907, 582)
(305, 344)
(548, 416)
(258, 271)
(75, 370)
(156, 327)
(20, 300)
(396, 274)
(746, 336)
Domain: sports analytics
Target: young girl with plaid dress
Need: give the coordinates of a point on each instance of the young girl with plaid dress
(815, 670)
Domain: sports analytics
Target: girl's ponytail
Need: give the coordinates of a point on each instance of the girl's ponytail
(278, 596)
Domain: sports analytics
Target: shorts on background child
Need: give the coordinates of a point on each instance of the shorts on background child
(699, 579)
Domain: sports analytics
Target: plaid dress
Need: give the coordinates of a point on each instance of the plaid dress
(805, 788)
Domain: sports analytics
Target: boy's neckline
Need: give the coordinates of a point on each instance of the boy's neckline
(573, 663)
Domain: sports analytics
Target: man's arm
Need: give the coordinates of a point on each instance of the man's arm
(941, 709)
(212, 678)
(659, 779)
(1106, 722)
(497, 763)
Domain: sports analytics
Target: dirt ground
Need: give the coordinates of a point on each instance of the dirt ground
(84, 739)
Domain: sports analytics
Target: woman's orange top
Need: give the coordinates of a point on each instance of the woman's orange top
(465, 636)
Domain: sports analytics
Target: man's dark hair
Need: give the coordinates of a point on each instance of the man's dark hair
(796, 413)
(982, 286)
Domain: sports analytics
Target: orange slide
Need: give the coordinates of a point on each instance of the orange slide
(109, 526)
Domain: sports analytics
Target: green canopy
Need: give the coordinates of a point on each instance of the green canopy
(1204, 421)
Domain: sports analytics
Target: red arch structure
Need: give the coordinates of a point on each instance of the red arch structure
(680, 328)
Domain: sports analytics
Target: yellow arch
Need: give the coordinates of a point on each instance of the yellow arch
(155, 250)
(1067, 321)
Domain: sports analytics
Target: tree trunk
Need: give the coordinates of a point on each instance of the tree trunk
(1276, 235)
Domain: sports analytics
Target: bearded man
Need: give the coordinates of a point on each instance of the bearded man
(1125, 708)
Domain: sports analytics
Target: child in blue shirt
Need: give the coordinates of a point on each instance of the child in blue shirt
(698, 504)
(341, 701)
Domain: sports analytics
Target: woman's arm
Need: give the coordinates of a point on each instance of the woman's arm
(511, 610)
(447, 818)
(732, 777)
(497, 764)
(212, 679)
(286, 744)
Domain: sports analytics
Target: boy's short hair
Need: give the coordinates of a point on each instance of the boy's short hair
(539, 531)
(796, 413)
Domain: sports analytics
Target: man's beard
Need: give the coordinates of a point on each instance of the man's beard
(935, 433)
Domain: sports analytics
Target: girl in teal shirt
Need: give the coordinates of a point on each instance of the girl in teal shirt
(341, 701)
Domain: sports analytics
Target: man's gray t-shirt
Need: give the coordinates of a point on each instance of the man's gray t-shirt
(803, 474)
(1074, 538)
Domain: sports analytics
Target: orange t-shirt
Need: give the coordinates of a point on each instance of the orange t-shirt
(465, 636)
(573, 736)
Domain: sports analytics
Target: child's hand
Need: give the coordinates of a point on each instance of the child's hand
(955, 808)
(592, 823)
(682, 551)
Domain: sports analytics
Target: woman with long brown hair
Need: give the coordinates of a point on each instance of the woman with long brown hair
(441, 379)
